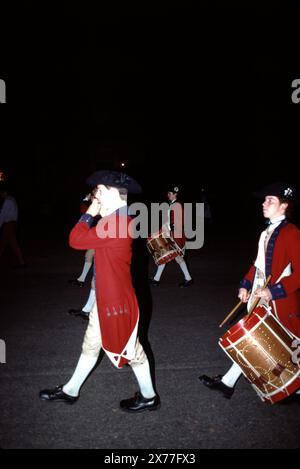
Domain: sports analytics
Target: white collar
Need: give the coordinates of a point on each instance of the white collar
(274, 223)
(275, 220)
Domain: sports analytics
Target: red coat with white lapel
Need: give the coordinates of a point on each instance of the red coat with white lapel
(116, 300)
(283, 248)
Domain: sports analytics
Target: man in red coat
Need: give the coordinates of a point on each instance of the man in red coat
(279, 256)
(113, 322)
(175, 227)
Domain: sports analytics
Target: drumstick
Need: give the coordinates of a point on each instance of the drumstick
(231, 313)
(240, 303)
(257, 300)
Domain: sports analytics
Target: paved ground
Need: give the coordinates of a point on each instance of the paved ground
(43, 344)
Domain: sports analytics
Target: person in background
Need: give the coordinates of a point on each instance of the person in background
(175, 228)
(84, 312)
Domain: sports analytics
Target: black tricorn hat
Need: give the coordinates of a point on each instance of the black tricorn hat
(114, 179)
(174, 189)
(281, 190)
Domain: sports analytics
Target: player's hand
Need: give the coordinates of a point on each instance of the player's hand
(95, 207)
(263, 293)
(244, 295)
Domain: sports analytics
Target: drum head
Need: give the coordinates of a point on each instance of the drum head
(262, 348)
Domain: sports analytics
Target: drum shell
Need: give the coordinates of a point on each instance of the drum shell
(163, 248)
(262, 347)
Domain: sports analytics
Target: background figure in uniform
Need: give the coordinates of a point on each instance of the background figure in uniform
(87, 308)
(175, 228)
(89, 255)
(8, 225)
(278, 256)
(88, 262)
(113, 322)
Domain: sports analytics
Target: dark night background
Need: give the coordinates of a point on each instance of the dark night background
(197, 95)
(193, 95)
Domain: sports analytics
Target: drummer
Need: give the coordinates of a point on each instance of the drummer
(175, 228)
(279, 256)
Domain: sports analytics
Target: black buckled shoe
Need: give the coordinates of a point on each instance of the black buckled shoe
(186, 283)
(80, 313)
(138, 403)
(215, 383)
(57, 394)
(154, 282)
(76, 283)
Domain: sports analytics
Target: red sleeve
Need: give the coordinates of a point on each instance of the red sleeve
(84, 237)
(247, 281)
(250, 274)
(292, 283)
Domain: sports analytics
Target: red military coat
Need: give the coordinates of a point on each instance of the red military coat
(116, 300)
(283, 248)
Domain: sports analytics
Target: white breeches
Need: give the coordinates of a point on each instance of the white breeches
(89, 255)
